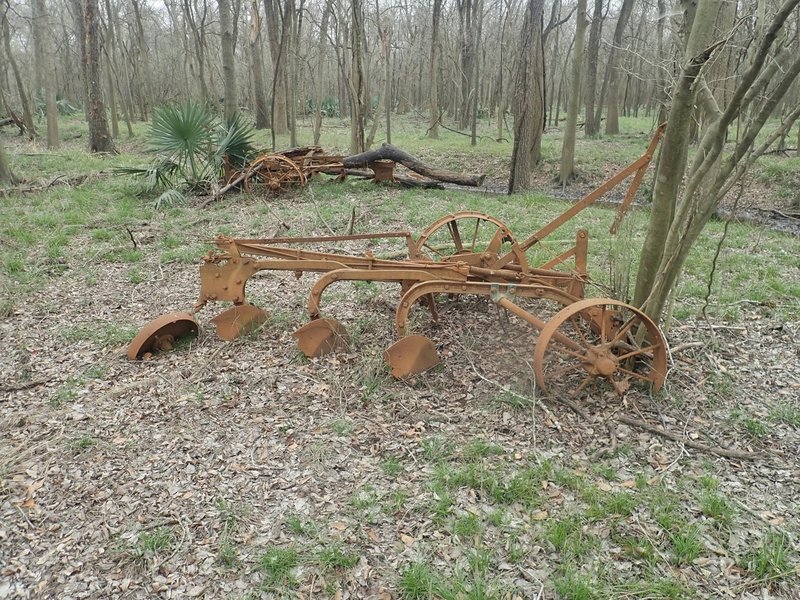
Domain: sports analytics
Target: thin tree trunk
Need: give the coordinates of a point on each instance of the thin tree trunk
(433, 127)
(591, 127)
(44, 68)
(567, 170)
(257, 67)
(27, 113)
(228, 64)
(612, 118)
(323, 36)
(6, 176)
(277, 29)
(357, 92)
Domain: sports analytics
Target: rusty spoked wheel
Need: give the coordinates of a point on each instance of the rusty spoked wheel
(275, 171)
(599, 341)
(472, 237)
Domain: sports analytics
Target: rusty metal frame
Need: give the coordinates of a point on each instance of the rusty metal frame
(586, 335)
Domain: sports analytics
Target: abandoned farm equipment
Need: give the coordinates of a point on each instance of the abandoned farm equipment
(466, 253)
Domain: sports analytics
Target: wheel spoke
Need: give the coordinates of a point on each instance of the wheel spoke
(603, 326)
(581, 387)
(432, 249)
(559, 372)
(574, 322)
(475, 234)
(626, 327)
(630, 373)
(456, 236)
(637, 352)
(562, 349)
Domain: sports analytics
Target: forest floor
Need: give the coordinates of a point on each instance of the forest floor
(245, 470)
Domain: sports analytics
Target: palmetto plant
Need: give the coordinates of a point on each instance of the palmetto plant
(191, 146)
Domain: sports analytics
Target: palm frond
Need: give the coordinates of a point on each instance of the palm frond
(168, 199)
(234, 140)
(182, 134)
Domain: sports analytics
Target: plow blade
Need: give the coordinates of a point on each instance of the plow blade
(238, 321)
(410, 355)
(160, 334)
(321, 336)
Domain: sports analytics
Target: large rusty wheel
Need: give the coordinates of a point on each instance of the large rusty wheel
(468, 236)
(599, 341)
(275, 171)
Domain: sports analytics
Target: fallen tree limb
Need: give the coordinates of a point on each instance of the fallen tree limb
(675, 437)
(389, 152)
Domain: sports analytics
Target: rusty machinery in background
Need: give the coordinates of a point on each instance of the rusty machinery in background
(587, 340)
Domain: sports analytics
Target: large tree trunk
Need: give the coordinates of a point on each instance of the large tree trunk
(44, 67)
(257, 67)
(433, 127)
(228, 65)
(528, 102)
(99, 137)
(567, 169)
(612, 70)
(676, 222)
(595, 31)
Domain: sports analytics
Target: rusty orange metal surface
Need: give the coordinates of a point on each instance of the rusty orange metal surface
(465, 253)
(160, 334)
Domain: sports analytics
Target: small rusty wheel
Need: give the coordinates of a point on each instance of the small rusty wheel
(275, 171)
(468, 236)
(599, 340)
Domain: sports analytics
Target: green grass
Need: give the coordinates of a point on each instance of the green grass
(152, 543)
(770, 559)
(276, 566)
(686, 545)
(335, 557)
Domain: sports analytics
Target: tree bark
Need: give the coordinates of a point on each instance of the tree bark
(433, 127)
(44, 68)
(257, 67)
(277, 30)
(6, 176)
(612, 116)
(27, 113)
(99, 138)
(323, 36)
(567, 170)
(357, 91)
(228, 64)
(591, 126)
(528, 99)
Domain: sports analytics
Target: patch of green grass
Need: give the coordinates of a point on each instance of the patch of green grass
(84, 442)
(135, 276)
(568, 537)
(104, 334)
(573, 585)
(771, 558)
(276, 566)
(716, 506)
(686, 545)
(568, 479)
(503, 487)
(418, 581)
(480, 448)
(391, 466)
(95, 372)
(341, 427)
(364, 499)
(437, 449)
(755, 428)
(515, 401)
(123, 255)
(395, 501)
(442, 502)
(786, 413)
(335, 557)
(227, 554)
(152, 543)
(66, 392)
(604, 505)
(467, 526)
(302, 527)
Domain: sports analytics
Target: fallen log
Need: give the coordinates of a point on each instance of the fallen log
(389, 152)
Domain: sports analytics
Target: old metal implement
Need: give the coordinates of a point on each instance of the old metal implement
(465, 253)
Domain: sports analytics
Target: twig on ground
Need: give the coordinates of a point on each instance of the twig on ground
(727, 453)
(611, 448)
(16, 387)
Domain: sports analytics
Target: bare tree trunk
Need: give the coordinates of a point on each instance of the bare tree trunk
(323, 35)
(6, 176)
(198, 36)
(257, 67)
(27, 113)
(595, 31)
(383, 104)
(567, 170)
(528, 99)
(44, 68)
(433, 127)
(476, 75)
(357, 92)
(278, 32)
(99, 137)
(612, 118)
(228, 65)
